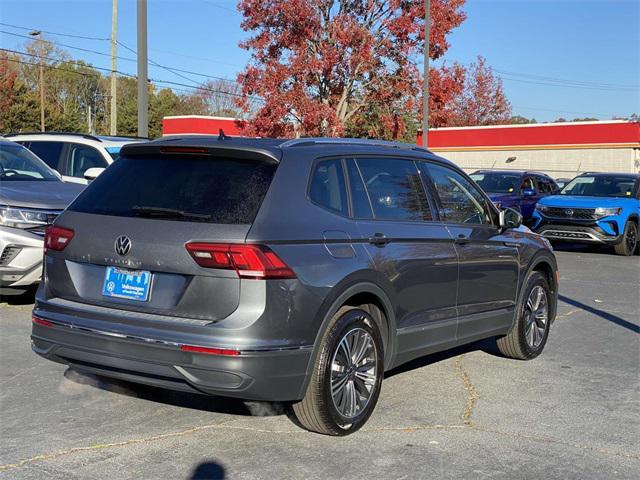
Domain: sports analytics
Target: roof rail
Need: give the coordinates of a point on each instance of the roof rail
(300, 142)
(83, 135)
(133, 137)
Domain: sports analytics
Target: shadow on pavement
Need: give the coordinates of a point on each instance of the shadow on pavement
(233, 406)
(488, 345)
(582, 248)
(208, 471)
(26, 298)
(602, 314)
(208, 403)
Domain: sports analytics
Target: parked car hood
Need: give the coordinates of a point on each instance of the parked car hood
(582, 201)
(48, 195)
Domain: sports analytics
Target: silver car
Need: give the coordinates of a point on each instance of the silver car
(31, 197)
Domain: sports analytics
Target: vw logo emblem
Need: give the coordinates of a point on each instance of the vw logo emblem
(123, 245)
(569, 212)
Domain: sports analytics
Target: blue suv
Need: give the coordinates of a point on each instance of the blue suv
(596, 208)
(516, 189)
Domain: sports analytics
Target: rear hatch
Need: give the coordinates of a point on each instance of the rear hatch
(131, 225)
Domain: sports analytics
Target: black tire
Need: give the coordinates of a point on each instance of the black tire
(317, 411)
(516, 343)
(629, 243)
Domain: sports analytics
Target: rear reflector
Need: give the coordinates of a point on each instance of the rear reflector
(249, 261)
(41, 321)
(57, 238)
(209, 351)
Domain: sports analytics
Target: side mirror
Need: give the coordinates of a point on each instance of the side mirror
(509, 218)
(92, 173)
(527, 192)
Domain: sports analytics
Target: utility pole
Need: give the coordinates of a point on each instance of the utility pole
(425, 95)
(113, 130)
(143, 98)
(41, 52)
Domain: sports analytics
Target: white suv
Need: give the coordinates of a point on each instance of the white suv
(77, 157)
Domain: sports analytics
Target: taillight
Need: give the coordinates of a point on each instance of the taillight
(249, 261)
(57, 238)
(41, 321)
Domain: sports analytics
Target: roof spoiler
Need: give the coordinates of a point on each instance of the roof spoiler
(227, 150)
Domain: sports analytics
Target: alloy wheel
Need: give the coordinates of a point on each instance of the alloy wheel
(354, 370)
(631, 238)
(536, 315)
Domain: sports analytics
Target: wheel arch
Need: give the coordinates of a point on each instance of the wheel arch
(545, 263)
(372, 299)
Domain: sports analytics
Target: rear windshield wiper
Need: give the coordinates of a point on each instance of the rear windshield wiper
(144, 211)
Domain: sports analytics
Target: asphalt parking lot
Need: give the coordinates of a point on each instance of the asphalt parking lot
(572, 413)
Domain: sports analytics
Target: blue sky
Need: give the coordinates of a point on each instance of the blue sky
(593, 42)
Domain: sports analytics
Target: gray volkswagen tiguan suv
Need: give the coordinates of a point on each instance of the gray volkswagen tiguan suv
(286, 270)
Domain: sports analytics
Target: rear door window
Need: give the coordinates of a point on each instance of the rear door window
(49, 152)
(328, 188)
(181, 188)
(395, 189)
(545, 185)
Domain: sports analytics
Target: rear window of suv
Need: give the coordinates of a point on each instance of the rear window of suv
(182, 188)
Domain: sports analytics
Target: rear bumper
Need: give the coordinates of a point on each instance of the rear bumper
(260, 374)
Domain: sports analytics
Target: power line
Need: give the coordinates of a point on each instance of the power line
(555, 81)
(158, 65)
(153, 80)
(215, 5)
(532, 78)
(190, 88)
(174, 69)
(84, 74)
(75, 62)
(71, 46)
(212, 90)
(564, 80)
(84, 37)
(96, 52)
(581, 87)
(563, 111)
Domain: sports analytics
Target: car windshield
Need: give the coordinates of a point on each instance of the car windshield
(19, 164)
(600, 186)
(497, 182)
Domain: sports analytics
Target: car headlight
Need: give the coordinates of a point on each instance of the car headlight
(605, 212)
(23, 217)
(541, 208)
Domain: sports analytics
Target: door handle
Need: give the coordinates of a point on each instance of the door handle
(379, 239)
(461, 240)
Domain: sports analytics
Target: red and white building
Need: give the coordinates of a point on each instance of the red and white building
(559, 149)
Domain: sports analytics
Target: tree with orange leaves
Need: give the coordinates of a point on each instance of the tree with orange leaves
(330, 67)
